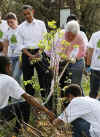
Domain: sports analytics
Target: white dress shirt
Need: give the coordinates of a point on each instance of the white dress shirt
(31, 33)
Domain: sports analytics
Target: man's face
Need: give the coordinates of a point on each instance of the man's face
(28, 14)
(12, 23)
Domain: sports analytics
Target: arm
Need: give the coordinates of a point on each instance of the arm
(37, 55)
(57, 122)
(90, 50)
(89, 54)
(27, 53)
(31, 100)
(5, 48)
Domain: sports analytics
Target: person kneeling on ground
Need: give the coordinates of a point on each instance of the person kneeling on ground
(82, 112)
(10, 88)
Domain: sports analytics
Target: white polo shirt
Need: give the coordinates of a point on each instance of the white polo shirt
(14, 47)
(3, 29)
(95, 44)
(86, 108)
(9, 87)
(31, 33)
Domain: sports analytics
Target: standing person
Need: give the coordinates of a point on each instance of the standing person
(13, 49)
(3, 27)
(82, 30)
(1, 49)
(83, 34)
(93, 59)
(10, 87)
(31, 31)
(72, 35)
(82, 112)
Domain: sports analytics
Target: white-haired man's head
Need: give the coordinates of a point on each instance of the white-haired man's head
(73, 27)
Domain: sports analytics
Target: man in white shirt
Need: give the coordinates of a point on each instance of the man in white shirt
(10, 87)
(82, 112)
(93, 59)
(31, 31)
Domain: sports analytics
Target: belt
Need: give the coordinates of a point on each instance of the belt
(33, 49)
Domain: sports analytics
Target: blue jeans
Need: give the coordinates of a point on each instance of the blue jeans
(16, 70)
(94, 83)
(76, 71)
(80, 128)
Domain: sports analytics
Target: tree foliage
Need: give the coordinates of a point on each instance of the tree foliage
(87, 11)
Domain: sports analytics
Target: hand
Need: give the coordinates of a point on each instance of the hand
(72, 60)
(57, 122)
(36, 56)
(51, 116)
(31, 57)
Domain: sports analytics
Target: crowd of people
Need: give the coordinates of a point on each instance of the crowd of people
(21, 41)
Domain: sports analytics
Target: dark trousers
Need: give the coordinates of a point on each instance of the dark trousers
(17, 110)
(42, 72)
(47, 78)
(73, 72)
(94, 83)
(80, 128)
(28, 72)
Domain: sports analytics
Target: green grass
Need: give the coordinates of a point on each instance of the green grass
(86, 84)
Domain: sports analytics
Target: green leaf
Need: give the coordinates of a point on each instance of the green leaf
(98, 44)
(1, 34)
(76, 46)
(13, 39)
(98, 57)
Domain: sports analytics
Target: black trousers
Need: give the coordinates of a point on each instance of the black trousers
(16, 109)
(94, 83)
(47, 78)
(28, 72)
(42, 72)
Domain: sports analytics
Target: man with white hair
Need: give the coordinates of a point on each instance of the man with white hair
(76, 49)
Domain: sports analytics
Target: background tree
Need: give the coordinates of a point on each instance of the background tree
(47, 10)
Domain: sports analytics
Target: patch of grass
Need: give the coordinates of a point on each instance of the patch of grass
(86, 84)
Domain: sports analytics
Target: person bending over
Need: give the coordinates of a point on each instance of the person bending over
(82, 112)
(10, 87)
